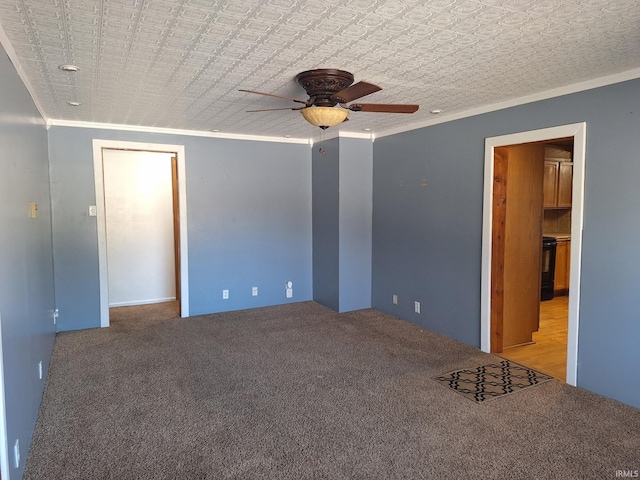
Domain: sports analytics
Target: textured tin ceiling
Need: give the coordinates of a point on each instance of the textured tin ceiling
(179, 63)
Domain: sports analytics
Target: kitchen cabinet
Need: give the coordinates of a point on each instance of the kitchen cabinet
(561, 274)
(557, 184)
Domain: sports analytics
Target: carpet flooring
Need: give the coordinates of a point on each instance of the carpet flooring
(300, 392)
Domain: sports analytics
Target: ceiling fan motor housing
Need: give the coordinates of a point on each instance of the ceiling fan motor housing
(322, 84)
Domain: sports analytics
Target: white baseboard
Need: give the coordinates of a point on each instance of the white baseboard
(142, 302)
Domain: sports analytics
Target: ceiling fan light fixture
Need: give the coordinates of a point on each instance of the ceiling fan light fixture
(324, 117)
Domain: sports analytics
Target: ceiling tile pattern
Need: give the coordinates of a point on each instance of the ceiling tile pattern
(179, 63)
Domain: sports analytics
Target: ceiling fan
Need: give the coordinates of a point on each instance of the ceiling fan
(329, 93)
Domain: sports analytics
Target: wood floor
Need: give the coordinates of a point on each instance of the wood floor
(549, 352)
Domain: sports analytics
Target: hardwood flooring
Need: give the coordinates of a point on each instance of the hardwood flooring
(549, 352)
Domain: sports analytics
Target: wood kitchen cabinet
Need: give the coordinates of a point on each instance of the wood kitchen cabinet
(557, 184)
(561, 274)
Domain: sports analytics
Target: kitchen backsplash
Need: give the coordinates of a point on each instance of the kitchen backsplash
(557, 221)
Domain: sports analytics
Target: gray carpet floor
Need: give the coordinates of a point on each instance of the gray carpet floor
(298, 391)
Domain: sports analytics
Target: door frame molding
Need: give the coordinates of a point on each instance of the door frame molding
(578, 132)
(179, 151)
(4, 439)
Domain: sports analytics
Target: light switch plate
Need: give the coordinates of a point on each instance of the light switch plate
(16, 454)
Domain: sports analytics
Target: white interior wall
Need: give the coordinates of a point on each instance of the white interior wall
(139, 225)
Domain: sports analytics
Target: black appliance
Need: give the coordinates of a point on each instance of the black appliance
(549, 245)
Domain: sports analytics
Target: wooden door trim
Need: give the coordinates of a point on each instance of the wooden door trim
(176, 223)
(498, 247)
(179, 151)
(578, 132)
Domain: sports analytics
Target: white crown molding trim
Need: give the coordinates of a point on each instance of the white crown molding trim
(11, 53)
(555, 92)
(364, 136)
(340, 134)
(174, 131)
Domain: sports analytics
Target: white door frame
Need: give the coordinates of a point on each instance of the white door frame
(578, 132)
(4, 444)
(98, 146)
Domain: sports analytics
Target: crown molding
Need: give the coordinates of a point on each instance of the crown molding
(555, 92)
(364, 136)
(13, 57)
(329, 135)
(174, 131)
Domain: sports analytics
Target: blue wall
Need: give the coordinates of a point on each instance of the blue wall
(326, 231)
(342, 211)
(249, 221)
(26, 275)
(427, 239)
(356, 204)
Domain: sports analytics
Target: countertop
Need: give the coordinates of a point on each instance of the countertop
(558, 236)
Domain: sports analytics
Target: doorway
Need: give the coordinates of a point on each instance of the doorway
(178, 210)
(578, 132)
(141, 231)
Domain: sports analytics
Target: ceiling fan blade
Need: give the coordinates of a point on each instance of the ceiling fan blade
(276, 96)
(355, 91)
(273, 109)
(383, 107)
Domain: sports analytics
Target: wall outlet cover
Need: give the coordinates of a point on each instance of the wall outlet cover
(16, 454)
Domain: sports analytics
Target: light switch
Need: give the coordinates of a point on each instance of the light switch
(33, 210)
(93, 211)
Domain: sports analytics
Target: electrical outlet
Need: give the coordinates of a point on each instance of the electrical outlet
(417, 307)
(254, 291)
(40, 369)
(394, 299)
(16, 454)
(225, 294)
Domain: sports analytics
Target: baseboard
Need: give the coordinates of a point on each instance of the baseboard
(142, 302)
